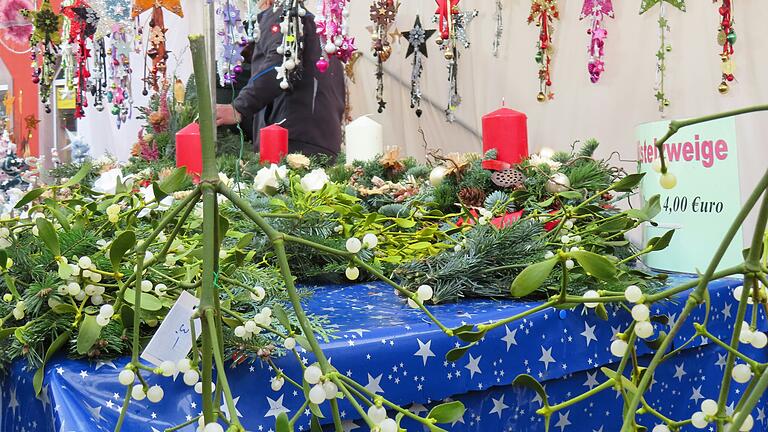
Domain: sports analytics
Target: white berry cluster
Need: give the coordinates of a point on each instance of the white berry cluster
(322, 388)
(378, 416)
(701, 419)
(355, 245)
(423, 293)
(83, 279)
(253, 326)
(762, 294)
(755, 338)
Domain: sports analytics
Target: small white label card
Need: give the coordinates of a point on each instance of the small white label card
(173, 339)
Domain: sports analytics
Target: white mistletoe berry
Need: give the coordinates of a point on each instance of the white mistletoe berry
(548, 254)
(377, 414)
(699, 420)
(146, 286)
(640, 312)
(644, 329)
(258, 293)
(660, 428)
(277, 383)
(370, 241)
(741, 373)
(425, 292)
(709, 407)
(184, 365)
(619, 348)
(168, 368)
(312, 374)
(352, 273)
(569, 264)
(101, 320)
(126, 377)
(137, 392)
(331, 389)
(388, 425)
(759, 340)
(289, 343)
(155, 394)
(317, 394)
(84, 262)
(748, 424)
(199, 387)
(633, 294)
(213, 427)
(240, 331)
(591, 294)
(191, 377)
(353, 245)
(107, 310)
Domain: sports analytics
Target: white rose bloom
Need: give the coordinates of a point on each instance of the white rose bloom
(148, 195)
(268, 178)
(537, 160)
(315, 180)
(107, 182)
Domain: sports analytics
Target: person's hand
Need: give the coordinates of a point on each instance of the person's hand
(226, 115)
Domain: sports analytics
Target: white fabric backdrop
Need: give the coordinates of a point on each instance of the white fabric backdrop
(608, 110)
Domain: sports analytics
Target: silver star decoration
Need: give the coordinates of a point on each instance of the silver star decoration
(679, 372)
(546, 357)
(473, 366)
(424, 351)
(589, 332)
(562, 420)
(498, 406)
(509, 337)
(276, 407)
(374, 385)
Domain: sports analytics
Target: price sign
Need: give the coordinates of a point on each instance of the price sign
(701, 206)
(173, 339)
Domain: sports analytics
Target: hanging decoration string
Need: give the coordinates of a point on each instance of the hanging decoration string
(417, 46)
(664, 46)
(452, 24)
(596, 10)
(292, 28)
(382, 15)
(543, 14)
(726, 37)
(499, 18)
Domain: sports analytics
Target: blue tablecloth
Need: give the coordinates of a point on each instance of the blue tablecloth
(394, 350)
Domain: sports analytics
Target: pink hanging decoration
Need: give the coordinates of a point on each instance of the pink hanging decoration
(596, 10)
(333, 29)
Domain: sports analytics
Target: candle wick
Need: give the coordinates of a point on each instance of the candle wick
(503, 102)
(280, 122)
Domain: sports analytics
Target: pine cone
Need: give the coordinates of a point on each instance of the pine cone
(472, 197)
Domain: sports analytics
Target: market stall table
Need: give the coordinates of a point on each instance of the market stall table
(394, 350)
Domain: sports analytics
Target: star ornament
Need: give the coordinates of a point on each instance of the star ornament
(417, 38)
(647, 4)
(604, 6)
(141, 6)
(47, 24)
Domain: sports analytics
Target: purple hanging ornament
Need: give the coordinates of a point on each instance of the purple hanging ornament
(597, 10)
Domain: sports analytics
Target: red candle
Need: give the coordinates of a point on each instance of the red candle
(189, 151)
(273, 144)
(506, 131)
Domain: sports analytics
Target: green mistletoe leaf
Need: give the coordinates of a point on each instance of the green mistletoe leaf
(447, 412)
(89, 332)
(531, 278)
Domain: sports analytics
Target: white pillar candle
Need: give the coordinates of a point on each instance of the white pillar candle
(364, 139)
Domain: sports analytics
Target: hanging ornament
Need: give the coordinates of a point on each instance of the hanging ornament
(543, 14)
(664, 46)
(292, 47)
(333, 30)
(382, 14)
(452, 24)
(44, 41)
(726, 37)
(499, 15)
(82, 27)
(417, 45)
(157, 51)
(119, 91)
(597, 10)
(252, 29)
(230, 42)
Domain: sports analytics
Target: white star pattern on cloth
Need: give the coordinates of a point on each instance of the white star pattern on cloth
(83, 374)
(589, 332)
(498, 406)
(417, 408)
(598, 430)
(276, 407)
(721, 360)
(95, 411)
(697, 395)
(225, 409)
(726, 311)
(509, 338)
(591, 380)
(101, 364)
(14, 404)
(424, 352)
(473, 366)
(679, 372)
(537, 398)
(546, 357)
(349, 425)
(374, 385)
(760, 415)
(562, 420)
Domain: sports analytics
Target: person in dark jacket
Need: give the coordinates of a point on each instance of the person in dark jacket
(312, 110)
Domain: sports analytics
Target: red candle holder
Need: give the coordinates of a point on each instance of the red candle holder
(273, 144)
(506, 131)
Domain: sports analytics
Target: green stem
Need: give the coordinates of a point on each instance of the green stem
(491, 326)
(124, 409)
(676, 125)
(579, 398)
(693, 300)
(221, 371)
